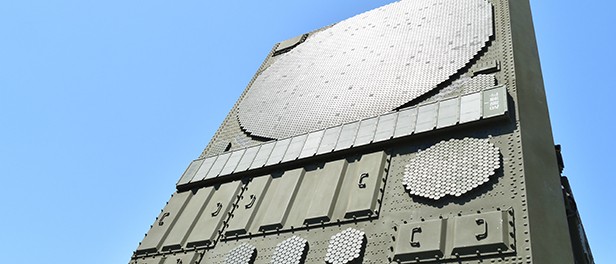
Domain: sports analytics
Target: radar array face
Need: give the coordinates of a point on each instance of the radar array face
(391, 137)
(366, 65)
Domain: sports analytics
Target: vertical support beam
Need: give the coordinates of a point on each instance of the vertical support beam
(550, 241)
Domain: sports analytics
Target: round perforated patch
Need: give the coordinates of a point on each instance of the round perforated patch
(243, 254)
(366, 65)
(290, 251)
(451, 167)
(345, 246)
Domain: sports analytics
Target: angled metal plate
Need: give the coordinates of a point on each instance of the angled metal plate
(347, 136)
(295, 147)
(247, 159)
(485, 232)
(278, 152)
(421, 240)
(312, 144)
(204, 169)
(163, 224)
(470, 108)
(235, 158)
(363, 181)
(279, 199)
(210, 222)
(249, 203)
(219, 164)
(190, 172)
(385, 127)
(426, 117)
(186, 222)
(262, 155)
(330, 138)
(405, 123)
(448, 112)
(323, 191)
(365, 134)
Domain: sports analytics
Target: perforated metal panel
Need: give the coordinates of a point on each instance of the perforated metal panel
(366, 65)
(451, 167)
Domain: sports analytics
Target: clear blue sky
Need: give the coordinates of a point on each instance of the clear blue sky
(103, 104)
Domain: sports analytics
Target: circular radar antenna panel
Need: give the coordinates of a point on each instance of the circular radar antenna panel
(452, 167)
(366, 65)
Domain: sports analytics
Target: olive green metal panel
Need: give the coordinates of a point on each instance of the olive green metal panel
(210, 222)
(249, 203)
(183, 258)
(279, 199)
(323, 191)
(481, 233)
(421, 240)
(161, 227)
(363, 178)
(186, 222)
(148, 260)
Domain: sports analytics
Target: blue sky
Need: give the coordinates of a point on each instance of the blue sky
(103, 104)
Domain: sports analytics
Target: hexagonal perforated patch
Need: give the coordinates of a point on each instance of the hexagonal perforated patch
(345, 246)
(451, 167)
(290, 251)
(243, 254)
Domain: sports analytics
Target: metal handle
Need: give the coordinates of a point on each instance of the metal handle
(484, 235)
(160, 222)
(361, 183)
(253, 198)
(215, 213)
(413, 232)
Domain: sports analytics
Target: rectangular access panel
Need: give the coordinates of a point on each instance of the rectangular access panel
(186, 222)
(421, 240)
(279, 199)
(206, 229)
(363, 180)
(484, 233)
(161, 227)
(322, 188)
(250, 201)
